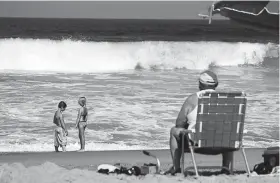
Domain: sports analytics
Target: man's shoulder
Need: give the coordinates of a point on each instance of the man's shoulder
(192, 99)
(190, 103)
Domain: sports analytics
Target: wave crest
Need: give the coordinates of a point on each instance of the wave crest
(78, 56)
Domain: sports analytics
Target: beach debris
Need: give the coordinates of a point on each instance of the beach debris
(150, 168)
(109, 169)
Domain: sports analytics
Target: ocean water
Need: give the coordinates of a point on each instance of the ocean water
(135, 75)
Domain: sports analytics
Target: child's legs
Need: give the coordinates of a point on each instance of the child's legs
(82, 126)
(56, 143)
(63, 148)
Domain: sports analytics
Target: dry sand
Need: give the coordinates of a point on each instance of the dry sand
(76, 167)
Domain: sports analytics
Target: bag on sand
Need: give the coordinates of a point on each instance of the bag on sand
(261, 168)
(271, 160)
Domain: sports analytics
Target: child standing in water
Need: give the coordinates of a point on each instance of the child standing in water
(81, 121)
(60, 131)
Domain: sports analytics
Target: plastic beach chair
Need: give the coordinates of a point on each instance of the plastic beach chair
(219, 126)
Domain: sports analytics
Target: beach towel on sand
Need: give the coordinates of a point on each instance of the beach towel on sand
(106, 169)
(59, 137)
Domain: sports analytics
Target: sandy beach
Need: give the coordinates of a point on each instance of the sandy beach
(81, 167)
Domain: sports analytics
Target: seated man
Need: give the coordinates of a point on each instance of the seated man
(186, 119)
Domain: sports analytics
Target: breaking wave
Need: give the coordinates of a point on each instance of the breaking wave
(78, 56)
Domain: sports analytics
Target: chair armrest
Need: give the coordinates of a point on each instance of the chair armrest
(187, 131)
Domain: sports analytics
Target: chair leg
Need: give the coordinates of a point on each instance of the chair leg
(194, 163)
(245, 159)
(231, 163)
(192, 153)
(183, 154)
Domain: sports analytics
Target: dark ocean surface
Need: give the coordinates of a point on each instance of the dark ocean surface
(131, 30)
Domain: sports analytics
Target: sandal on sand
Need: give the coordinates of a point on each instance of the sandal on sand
(172, 171)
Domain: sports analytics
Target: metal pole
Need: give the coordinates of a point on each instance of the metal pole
(245, 159)
(192, 153)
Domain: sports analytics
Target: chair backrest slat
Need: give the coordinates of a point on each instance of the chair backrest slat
(220, 119)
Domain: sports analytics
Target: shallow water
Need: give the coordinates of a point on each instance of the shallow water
(134, 88)
(127, 110)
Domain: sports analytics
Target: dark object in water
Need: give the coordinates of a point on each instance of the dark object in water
(271, 160)
(258, 15)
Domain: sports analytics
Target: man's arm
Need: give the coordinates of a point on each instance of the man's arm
(188, 106)
(192, 104)
(63, 123)
(181, 121)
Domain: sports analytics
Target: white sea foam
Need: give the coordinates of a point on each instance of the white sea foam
(47, 147)
(77, 56)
